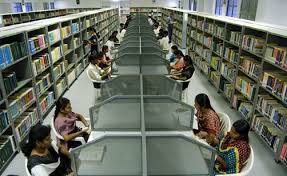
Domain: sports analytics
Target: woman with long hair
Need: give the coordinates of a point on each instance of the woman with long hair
(234, 149)
(65, 123)
(208, 120)
(45, 157)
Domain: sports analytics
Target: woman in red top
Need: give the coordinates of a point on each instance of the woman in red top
(208, 120)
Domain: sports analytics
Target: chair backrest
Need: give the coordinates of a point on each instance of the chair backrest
(225, 123)
(54, 129)
(26, 167)
(250, 162)
(247, 168)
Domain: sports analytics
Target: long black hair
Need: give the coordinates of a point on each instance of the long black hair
(242, 127)
(203, 101)
(36, 134)
(61, 104)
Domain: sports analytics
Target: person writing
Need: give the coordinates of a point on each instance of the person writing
(233, 149)
(94, 70)
(45, 157)
(208, 120)
(179, 62)
(164, 41)
(186, 72)
(65, 124)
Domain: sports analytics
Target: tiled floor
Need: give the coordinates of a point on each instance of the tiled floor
(81, 96)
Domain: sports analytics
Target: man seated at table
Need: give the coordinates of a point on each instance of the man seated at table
(94, 70)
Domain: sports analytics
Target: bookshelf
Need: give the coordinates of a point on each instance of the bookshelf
(24, 17)
(178, 27)
(39, 62)
(154, 11)
(246, 62)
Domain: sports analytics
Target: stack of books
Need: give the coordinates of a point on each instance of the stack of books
(46, 101)
(42, 83)
(7, 148)
(207, 41)
(11, 52)
(56, 53)
(250, 66)
(61, 86)
(10, 81)
(267, 131)
(219, 31)
(37, 43)
(253, 43)
(277, 55)
(25, 122)
(218, 48)
(75, 27)
(231, 55)
(246, 86)
(58, 70)
(4, 120)
(54, 36)
(66, 31)
(20, 101)
(228, 70)
(234, 37)
(40, 63)
(215, 62)
(276, 82)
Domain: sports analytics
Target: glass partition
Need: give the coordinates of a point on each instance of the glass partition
(170, 154)
(175, 156)
(117, 114)
(109, 156)
(130, 85)
(167, 114)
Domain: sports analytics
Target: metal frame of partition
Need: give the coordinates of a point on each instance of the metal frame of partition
(147, 111)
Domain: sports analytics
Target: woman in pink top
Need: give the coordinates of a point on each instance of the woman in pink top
(179, 62)
(65, 124)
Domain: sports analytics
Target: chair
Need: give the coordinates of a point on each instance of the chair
(80, 139)
(225, 123)
(247, 168)
(26, 167)
(185, 84)
(97, 86)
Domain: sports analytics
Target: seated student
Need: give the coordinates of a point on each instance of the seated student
(110, 43)
(208, 120)
(95, 71)
(172, 57)
(179, 62)
(45, 157)
(115, 35)
(164, 41)
(123, 32)
(234, 149)
(186, 72)
(150, 21)
(156, 29)
(121, 26)
(65, 124)
(160, 34)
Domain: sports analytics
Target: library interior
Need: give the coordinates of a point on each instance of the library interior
(143, 87)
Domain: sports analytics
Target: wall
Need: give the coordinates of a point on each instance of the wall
(272, 11)
(99, 3)
(6, 6)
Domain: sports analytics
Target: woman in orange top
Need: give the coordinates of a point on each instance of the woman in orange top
(208, 120)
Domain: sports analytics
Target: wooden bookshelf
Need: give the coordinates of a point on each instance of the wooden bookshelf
(244, 60)
(24, 17)
(39, 62)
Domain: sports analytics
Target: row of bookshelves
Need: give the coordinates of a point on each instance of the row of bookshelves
(247, 65)
(54, 57)
(24, 17)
